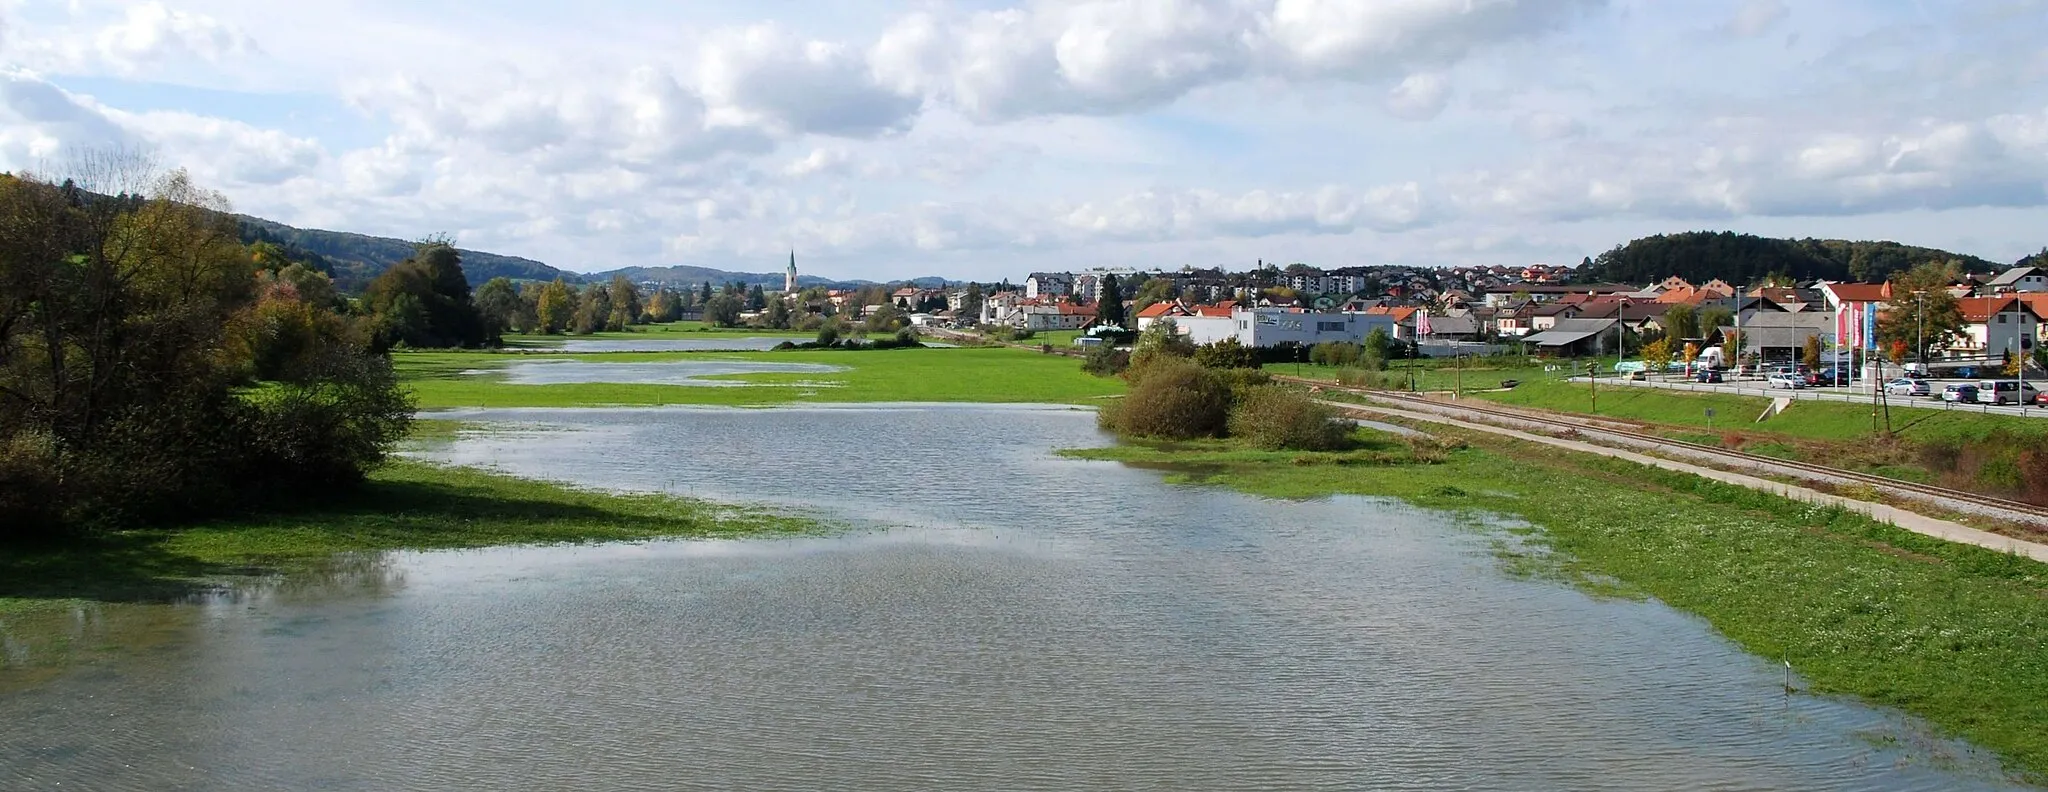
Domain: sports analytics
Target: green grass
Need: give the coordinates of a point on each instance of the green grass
(404, 506)
(987, 374)
(1948, 632)
(655, 331)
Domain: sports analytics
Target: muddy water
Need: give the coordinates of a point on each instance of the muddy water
(998, 619)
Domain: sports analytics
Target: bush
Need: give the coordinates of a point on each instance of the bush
(1175, 399)
(1106, 361)
(1276, 418)
(1227, 354)
(1361, 378)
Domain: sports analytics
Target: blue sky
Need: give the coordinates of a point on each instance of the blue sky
(987, 139)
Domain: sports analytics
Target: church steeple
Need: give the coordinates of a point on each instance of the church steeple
(789, 275)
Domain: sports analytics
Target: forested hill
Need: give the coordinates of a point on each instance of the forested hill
(354, 259)
(680, 275)
(1701, 256)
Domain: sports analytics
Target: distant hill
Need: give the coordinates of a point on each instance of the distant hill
(680, 274)
(1701, 256)
(355, 259)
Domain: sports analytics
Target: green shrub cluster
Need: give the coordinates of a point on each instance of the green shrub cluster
(1174, 398)
(1276, 418)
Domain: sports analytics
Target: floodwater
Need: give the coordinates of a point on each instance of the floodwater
(716, 343)
(675, 372)
(997, 618)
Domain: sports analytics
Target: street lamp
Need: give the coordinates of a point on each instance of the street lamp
(1920, 328)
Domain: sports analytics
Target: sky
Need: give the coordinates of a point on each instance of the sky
(988, 139)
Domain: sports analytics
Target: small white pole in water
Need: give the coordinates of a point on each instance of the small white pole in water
(1788, 679)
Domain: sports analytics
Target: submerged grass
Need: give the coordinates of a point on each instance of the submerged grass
(1951, 633)
(404, 506)
(981, 374)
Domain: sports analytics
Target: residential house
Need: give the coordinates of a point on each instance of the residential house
(1993, 326)
(1056, 315)
(2019, 279)
(1157, 311)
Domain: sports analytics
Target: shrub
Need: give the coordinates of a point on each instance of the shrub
(1241, 380)
(1276, 418)
(1174, 400)
(1227, 354)
(1106, 361)
(828, 335)
(1361, 378)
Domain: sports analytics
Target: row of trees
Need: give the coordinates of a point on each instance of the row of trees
(153, 367)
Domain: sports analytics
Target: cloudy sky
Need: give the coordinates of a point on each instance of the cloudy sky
(988, 138)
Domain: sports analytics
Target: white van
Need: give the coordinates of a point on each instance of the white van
(2006, 392)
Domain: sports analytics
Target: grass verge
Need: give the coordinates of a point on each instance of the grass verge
(981, 374)
(1950, 633)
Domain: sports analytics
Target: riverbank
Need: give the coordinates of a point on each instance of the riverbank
(405, 505)
(444, 380)
(1947, 632)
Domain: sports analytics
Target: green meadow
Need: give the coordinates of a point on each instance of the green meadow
(983, 374)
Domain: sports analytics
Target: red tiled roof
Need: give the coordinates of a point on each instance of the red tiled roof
(1861, 292)
(1157, 310)
(1978, 310)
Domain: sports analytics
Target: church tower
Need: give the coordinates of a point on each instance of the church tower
(789, 275)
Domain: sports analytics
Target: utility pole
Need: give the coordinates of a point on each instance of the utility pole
(1593, 385)
(1460, 392)
(1920, 328)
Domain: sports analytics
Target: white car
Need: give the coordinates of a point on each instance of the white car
(1781, 380)
(1904, 386)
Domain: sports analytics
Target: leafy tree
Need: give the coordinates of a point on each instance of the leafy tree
(593, 309)
(431, 292)
(1172, 399)
(1714, 317)
(498, 303)
(1154, 291)
(886, 319)
(1657, 354)
(624, 300)
(777, 314)
(828, 334)
(1109, 303)
(555, 307)
(1227, 354)
(664, 305)
(1921, 308)
(1682, 322)
(1810, 353)
(722, 310)
(969, 309)
(1378, 350)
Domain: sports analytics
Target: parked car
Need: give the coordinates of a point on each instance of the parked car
(1791, 381)
(1905, 386)
(1638, 376)
(2041, 399)
(2006, 392)
(1915, 371)
(1826, 376)
(1707, 375)
(1960, 392)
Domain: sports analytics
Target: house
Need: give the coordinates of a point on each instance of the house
(2018, 279)
(1575, 338)
(1840, 294)
(1048, 284)
(1544, 317)
(1994, 325)
(1157, 311)
(1267, 327)
(1453, 328)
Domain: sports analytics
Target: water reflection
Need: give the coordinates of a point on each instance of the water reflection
(712, 344)
(1026, 622)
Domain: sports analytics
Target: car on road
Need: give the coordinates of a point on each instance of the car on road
(2041, 399)
(1960, 393)
(1638, 376)
(1905, 386)
(1791, 381)
(1707, 376)
(2006, 392)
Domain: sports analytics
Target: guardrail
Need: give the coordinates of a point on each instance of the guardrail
(1757, 388)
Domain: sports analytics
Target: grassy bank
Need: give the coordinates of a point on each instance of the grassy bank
(982, 374)
(1951, 633)
(404, 506)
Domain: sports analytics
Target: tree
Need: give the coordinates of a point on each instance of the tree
(1154, 291)
(1227, 353)
(969, 309)
(1378, 349)
(663, 306)
(1810, 353)
(593, 309)
(1657, 354)
(498, 303)
(1714, 317)
(722, 310)
(624, 299)
(756, 298)
(777, 314)
(887, 318)
(1922, 312)
(555, 307)
(1109, 302)
(1682, 322)
(438, 310)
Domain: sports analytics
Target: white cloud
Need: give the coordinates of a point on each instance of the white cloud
(1757, 16)
(764, 75)
(1419, 97)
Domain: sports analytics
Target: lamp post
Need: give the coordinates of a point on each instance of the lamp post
(1620, 323)
(1920, 327)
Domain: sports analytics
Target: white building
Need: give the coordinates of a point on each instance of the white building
(1048, 284)
(1265, 327)
(2019, 279)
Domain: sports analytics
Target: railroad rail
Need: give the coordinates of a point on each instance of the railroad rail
(2030, 512)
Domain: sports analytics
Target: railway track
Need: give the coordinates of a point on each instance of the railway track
(2027, 512)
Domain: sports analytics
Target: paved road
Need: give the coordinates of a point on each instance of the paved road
(1911, 521)
(1758, 389)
